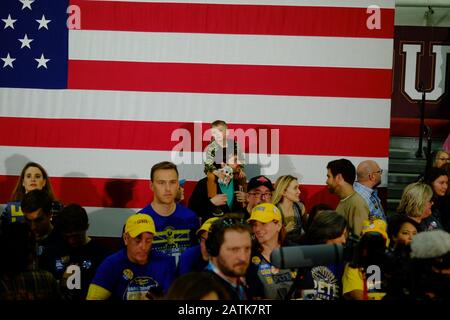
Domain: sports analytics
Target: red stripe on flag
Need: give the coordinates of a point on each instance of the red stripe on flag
(230, 79)
(143, 135)
(128, 193)
(233, 19)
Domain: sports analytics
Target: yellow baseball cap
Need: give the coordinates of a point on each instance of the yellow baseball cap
(265, 212)
(378, 226)
(139, 223)
(206, 226)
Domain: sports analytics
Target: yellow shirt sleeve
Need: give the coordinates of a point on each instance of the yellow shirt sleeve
(96, 292)
(352, 279)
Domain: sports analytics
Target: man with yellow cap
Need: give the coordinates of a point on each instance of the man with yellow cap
(196, 257)
(135, 272)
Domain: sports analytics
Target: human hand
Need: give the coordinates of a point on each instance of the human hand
(219, 200)
(241, 196)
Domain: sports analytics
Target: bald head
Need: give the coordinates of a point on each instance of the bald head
(368, 173)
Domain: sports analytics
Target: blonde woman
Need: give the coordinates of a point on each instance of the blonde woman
(441, 159)
(287, 198)
(416, 202)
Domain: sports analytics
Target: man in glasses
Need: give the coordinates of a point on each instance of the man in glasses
(259, 190)
(368, 176)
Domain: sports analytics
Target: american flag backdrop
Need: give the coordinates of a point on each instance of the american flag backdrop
(97, 106)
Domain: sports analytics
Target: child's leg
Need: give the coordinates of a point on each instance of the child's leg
(211, 185)
(241, 181)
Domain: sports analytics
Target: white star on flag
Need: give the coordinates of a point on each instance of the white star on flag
(42, 62)
(8, 61)
(9, 22)
(26, 4)
(43, 23)
(25, 41)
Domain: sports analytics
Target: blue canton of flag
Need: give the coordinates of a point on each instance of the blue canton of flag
(34, 44)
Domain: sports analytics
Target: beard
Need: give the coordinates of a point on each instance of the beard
(330, 189)
(237, 270)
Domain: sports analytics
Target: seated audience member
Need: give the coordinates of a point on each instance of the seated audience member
(313, 213)
(77, 250)
(441, 158)
(229, 247)
(37, 210)
(175, 225)
(430, 252)
(224, 201)
(437, 179)
(401, 230)
(266, 222)
(32, 177)
(287, 198)
(197, 286)
(370, 252)
(180, 193)
(325, 282)
(135, 272)
(196, 258)
(18, 279)
(259, 190)
(341, 175)
(447, 170)
(416, 202)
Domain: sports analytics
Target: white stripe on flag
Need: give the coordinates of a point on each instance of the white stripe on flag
(182, 107)
(230, 49)
(136, 164)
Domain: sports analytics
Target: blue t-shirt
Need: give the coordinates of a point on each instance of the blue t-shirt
(191, 260)
(129, 281)
(12, 213)
(174, 233)
(324, 282)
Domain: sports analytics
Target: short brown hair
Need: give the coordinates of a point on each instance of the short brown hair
(165, 165)
(218, 123)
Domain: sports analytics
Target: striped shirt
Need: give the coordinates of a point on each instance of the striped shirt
(373, 201)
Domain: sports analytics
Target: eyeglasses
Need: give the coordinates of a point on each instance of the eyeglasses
(259, 195)
(228, 222)
(379, 171)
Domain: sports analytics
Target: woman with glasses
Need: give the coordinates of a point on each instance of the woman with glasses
(441, 159)
(287, 198)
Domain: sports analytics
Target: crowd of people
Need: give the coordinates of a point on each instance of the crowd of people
(220, 245)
